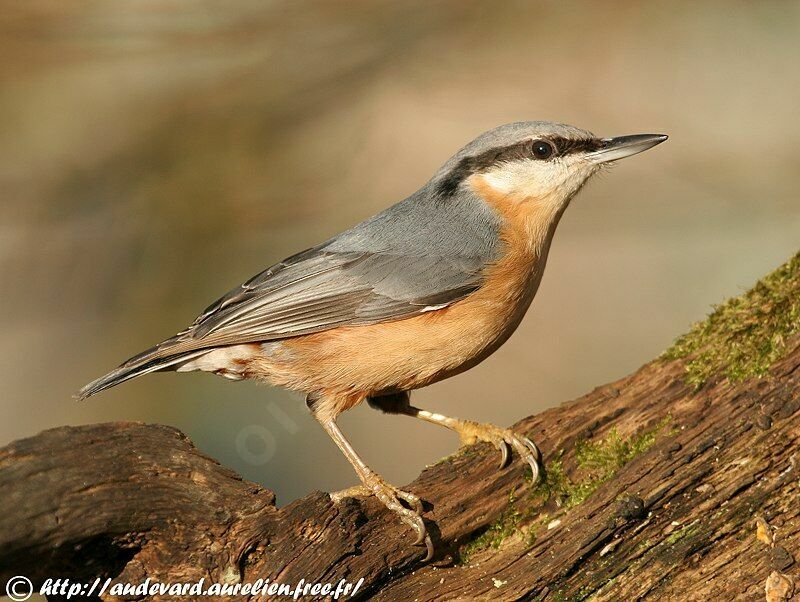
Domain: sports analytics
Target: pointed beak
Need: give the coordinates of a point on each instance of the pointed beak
(624, 146)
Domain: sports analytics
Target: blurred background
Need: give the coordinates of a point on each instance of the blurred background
(155, 154)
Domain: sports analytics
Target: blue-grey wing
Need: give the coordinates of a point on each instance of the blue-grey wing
(417, 256)
(333, 289)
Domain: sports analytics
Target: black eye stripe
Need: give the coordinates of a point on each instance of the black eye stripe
(513, 152)
(522, 150)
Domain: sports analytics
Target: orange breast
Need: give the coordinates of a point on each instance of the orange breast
(354, 361)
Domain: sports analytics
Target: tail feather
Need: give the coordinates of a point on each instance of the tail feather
(136, 366)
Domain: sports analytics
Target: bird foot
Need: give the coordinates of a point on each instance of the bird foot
(394, 499)
(503, 439)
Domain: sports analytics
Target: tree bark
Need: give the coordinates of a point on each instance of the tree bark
(655, 490)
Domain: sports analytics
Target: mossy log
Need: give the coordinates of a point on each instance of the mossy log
(680, 481)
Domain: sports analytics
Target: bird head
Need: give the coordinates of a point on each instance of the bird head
(535, 163)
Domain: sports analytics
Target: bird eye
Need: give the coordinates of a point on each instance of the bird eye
(542, 149)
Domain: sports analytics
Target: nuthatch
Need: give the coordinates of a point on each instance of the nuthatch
(422, 291)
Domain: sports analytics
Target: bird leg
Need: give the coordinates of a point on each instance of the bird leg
(468, 430)
(374, 484)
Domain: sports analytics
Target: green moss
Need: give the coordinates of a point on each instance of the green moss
(598, 461)
(494, 535)
(683, 532)
(465, 451)
(745, 335)
(555, 482)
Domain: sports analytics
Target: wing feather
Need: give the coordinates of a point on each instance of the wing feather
(318, 290)
(420, 255)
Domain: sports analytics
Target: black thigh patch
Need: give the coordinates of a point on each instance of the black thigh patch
(312, 402)
(391, 403)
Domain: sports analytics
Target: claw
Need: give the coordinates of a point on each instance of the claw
(504, 451)
(414, 520)
(416, 523)
(503, 439)
(534, 470)
(419, 526)
(535, 450)
(411, 500)
(533, 458)
(429, 548)
(391, 497)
